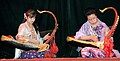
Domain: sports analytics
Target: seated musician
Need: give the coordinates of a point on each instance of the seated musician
(27, 33)
(92, 30)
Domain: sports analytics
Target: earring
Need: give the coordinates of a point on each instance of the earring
(25, 16)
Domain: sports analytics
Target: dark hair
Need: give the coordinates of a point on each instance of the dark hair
(90, 11)
(31, 13)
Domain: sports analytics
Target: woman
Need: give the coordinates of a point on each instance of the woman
(92, 30)
(27, 33)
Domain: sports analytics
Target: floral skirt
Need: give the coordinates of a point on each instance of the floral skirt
(31, 54)
(90, 52)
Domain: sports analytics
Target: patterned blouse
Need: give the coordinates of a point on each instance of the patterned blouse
(88, 30)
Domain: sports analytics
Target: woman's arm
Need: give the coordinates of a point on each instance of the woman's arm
(93, 38)
(21, 35)
(23, 39)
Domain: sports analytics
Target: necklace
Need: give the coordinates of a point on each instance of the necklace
(32, 31)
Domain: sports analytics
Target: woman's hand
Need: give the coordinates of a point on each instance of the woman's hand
(26, 40)
(93, 38)
(46, 36)
(33, 41)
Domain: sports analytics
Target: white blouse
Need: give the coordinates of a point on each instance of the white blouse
(24, 31)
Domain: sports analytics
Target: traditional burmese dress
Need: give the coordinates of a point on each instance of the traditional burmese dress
(87, 30)
(24, 31)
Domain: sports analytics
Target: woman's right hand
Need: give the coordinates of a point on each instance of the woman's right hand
(25, 40)
(33, 41)
(93, 38)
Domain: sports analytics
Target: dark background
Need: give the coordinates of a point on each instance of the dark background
(70, 16)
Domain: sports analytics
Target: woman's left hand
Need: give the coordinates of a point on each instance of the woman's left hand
(46, 36)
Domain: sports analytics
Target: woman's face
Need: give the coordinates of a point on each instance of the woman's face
(92, 19)
(31, 20)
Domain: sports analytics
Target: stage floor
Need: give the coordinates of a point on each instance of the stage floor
(65, 59)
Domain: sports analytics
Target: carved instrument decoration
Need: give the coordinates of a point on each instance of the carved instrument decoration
(108, 44)
(51, 40)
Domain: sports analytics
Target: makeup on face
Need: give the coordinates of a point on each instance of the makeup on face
(92, 19)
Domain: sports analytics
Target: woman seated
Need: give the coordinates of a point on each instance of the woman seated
(28, 34)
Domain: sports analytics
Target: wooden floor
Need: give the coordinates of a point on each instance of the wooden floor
(65, 59)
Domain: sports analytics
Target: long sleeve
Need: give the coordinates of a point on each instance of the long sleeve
(21, 30)
(80, 33)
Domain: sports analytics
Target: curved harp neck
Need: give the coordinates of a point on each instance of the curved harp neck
(116, 19)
